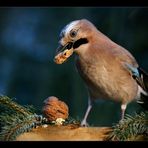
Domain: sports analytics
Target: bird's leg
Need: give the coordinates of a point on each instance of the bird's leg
(123, 108)
(84, 121)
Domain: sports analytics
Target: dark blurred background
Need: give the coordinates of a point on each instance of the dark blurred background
(29, 37)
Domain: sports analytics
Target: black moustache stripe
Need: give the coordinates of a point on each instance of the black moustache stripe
(69, 46)
(80, 42)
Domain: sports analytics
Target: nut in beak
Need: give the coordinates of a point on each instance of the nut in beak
(63, 56)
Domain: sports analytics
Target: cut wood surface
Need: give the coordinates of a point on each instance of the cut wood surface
(65, 133)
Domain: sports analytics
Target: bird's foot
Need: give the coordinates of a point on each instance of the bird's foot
(121, 120)
(84, 123)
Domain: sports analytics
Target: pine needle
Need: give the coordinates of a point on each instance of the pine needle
(9, 103)
(16, 126)
(130, 128)
(16, 119)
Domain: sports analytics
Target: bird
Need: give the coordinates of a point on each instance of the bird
(109, 71)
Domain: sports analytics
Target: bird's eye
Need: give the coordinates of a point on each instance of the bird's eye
(73, 33)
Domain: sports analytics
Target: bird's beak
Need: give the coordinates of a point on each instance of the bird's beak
(61, 48)
(63, 53)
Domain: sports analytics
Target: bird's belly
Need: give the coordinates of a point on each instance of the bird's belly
(102, 84)
(101, 87)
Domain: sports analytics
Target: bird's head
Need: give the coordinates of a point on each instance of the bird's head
(74, 37)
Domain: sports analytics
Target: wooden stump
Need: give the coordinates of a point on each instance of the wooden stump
(65, 133)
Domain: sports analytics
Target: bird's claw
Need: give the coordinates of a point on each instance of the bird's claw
(84, 124)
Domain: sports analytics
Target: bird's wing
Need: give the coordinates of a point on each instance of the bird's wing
(130, 64)
(139, 75)
(144, 75)
(136, 74)
(124, 56)
(141, 78)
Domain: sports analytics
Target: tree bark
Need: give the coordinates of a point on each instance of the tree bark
(65, 133)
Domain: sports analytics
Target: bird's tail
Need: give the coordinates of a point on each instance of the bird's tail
(143, 83)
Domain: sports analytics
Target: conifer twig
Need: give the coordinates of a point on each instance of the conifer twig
(130, 127)
(9, 103)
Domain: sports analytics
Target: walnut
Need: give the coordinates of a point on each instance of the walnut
(54, 108)
(63, 56)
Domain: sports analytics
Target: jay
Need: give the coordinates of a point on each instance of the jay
(108, 70)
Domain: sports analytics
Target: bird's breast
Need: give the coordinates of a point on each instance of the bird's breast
(106, 82)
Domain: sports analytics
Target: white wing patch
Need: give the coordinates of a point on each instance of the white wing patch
(140, 90)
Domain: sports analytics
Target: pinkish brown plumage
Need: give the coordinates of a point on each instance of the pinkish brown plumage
(109, 70)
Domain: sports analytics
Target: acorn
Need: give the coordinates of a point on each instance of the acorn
(54, 108)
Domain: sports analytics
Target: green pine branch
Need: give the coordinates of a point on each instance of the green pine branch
(10, 104)
(71, 120)
(14, 126)
(131, 128)
(16, 119)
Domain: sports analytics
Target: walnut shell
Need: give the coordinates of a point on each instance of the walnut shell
(54, 108)
(63, 56)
